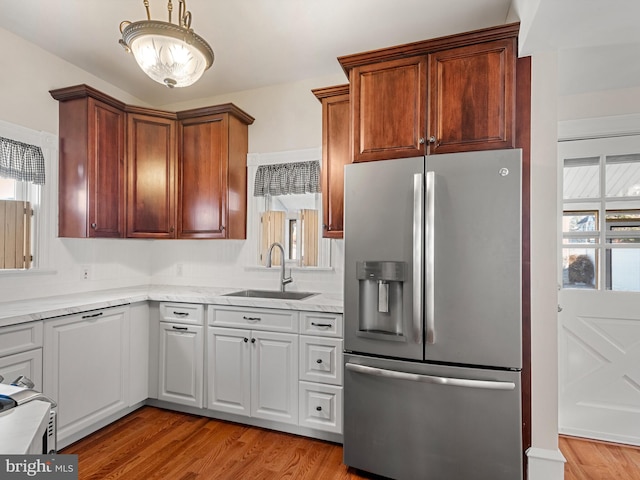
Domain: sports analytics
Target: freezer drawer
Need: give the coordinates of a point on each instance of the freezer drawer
(409, 420)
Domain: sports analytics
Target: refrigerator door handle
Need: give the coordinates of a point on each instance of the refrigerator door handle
(415, 377)
(430, 259)
(418, 202)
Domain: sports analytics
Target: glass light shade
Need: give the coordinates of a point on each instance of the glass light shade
(171, 55)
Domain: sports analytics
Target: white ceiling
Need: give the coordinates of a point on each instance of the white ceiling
(265, 42)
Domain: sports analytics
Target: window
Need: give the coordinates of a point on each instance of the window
(286, 208)
(27, 208)
(17, 202)
(601, 222)
(292, 221)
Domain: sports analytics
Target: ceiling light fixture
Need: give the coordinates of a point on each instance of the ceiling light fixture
(171, 54)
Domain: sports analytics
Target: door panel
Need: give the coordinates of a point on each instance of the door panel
(599, 354)
(182, 357)
(229, 370)
(274, 375)
(473, 277)
(380, 205)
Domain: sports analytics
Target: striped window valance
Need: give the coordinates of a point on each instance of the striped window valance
(21, 161)
(287, 178)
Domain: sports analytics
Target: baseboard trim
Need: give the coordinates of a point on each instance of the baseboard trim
(545, 464)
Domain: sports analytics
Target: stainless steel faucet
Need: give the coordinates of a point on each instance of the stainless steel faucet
(283, 280)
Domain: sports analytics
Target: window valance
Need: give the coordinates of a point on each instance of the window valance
(287, 179)
(21, 161)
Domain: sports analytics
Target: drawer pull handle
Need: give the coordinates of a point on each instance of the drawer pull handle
(181, 314)
(319, 408)
(93, 315)
(245, 339)
(319, 360)
(179, 328)
(324, 325)
(252, 319)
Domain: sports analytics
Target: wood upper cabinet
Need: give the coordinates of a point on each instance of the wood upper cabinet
(136, 172)
(213, 173)
(472, 97)
(445, 95)
(151, 173)
(336, 153)
(91, 194)
(388, 109)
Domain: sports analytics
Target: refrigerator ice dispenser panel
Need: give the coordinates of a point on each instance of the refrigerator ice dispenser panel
(380, 299)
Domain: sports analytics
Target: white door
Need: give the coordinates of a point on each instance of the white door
(181, 364)
(274, 376)
(599, 322)
(229, 370)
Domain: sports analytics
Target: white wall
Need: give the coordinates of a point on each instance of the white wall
(604, 103)
(288, 117)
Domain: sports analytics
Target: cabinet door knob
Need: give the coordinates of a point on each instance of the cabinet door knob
(432, 139)
(421, 141)
(94, 226)
(319, 408)
(253, 340)
(319, 360)
(171, 228)
(246, 339)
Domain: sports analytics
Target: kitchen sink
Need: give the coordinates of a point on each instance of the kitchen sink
(271, 294)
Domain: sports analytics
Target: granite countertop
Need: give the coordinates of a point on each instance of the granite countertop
(12, 313)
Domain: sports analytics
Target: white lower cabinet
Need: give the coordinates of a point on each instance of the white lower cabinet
(253, 373)
(274, 381)
(21, 352)
(321, 372)
(229, 370)
(28, 364)
(321, 407)
(181, 363)
(86, 367)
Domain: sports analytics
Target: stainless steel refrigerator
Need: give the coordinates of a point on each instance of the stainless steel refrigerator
(432, 312)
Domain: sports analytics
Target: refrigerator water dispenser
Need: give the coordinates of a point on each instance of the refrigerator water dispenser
(380, 298)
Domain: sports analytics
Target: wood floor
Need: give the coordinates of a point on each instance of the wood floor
(592, 460)
(155, 444)
(151, 443)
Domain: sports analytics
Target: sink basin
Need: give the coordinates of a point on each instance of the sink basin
(271, 294)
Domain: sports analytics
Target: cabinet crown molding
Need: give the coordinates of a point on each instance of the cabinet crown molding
(83, 91)
(326, 92)
(428, 46)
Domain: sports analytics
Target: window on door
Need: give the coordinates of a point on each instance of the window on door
(601, 222)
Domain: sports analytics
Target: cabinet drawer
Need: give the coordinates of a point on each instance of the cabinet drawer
(182, 313)
(20, 338)
(323, 324)
(321, 359)
(320, 407)
(28, 364)
(254, 318)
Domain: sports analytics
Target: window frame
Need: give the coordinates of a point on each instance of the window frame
(45, 213)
